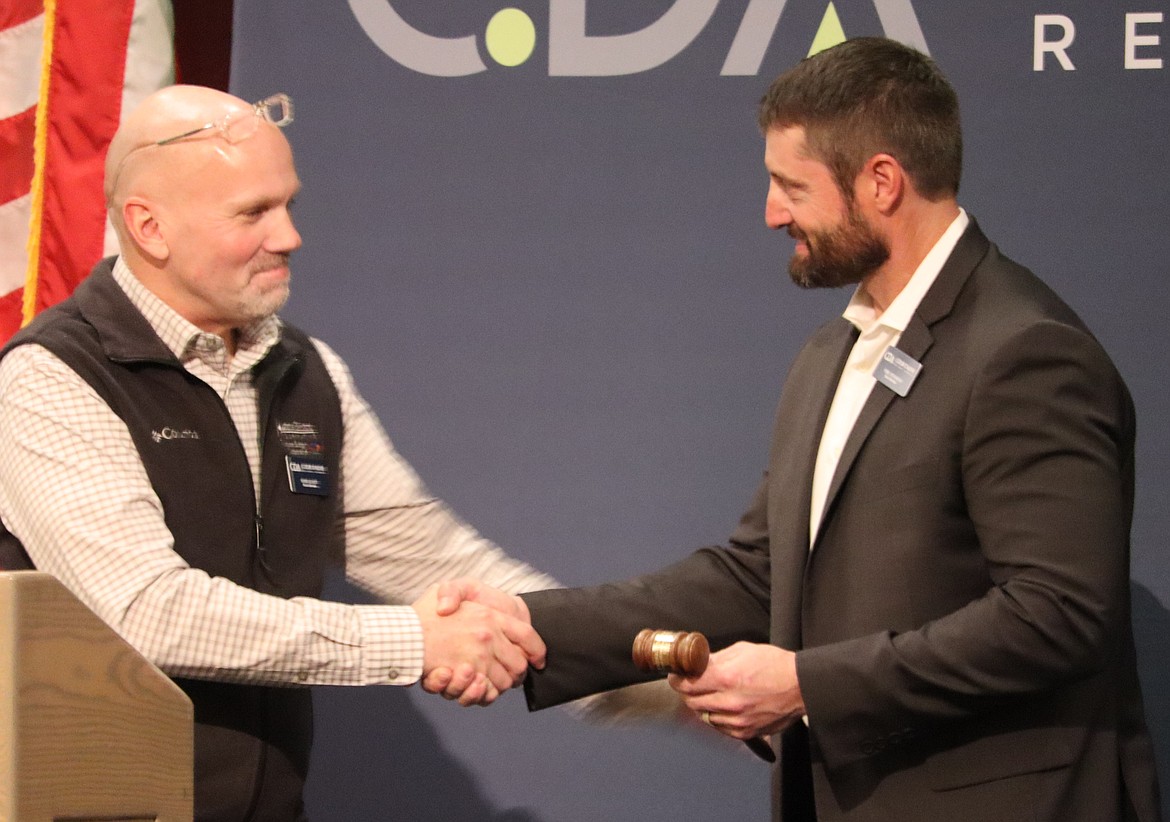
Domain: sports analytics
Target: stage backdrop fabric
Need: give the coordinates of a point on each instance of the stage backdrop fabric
(553, 283)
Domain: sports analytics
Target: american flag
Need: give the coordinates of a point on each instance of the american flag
(68, 70)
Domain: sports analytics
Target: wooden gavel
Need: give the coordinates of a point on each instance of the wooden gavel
(686, 653)
(672, 652)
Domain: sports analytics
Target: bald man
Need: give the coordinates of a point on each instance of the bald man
(189, 466)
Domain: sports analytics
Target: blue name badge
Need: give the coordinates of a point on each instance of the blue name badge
(897, 371)
(307, 474)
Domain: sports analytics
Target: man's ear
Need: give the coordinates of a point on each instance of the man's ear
(883, 182)
(144, 228)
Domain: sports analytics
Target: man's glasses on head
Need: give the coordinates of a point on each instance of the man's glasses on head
(233, 127)
(240, 125)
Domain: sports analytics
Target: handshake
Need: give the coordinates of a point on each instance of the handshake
(477, 641)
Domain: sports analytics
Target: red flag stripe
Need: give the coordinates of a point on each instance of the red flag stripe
(85, 94)
(10, 314)
(16, 147)
(15, 12)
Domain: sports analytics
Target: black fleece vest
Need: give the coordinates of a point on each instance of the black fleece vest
(251, 742)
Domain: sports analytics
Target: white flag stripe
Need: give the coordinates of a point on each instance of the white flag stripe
(150, 55)
(14, 217)
(20, 60)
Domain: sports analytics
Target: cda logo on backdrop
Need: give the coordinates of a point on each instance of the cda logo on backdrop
(510, 38)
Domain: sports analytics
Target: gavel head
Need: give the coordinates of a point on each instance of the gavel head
(671, 652)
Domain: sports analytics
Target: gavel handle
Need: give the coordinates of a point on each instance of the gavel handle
(761, 748)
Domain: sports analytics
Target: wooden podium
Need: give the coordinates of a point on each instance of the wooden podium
(89, 730)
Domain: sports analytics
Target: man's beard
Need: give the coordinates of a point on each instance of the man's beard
(843, 255)
(258, 305)
(261, 306)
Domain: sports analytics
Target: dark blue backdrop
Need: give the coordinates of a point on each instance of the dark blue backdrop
(559, 295)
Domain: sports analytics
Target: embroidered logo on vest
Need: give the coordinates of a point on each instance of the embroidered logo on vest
(169, 433)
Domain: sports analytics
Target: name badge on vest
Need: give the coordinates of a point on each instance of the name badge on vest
(304, 458)
(897, 371)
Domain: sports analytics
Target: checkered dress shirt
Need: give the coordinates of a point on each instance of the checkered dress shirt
(74, 491)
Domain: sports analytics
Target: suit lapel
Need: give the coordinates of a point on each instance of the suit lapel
(804, 406)
(915, 341)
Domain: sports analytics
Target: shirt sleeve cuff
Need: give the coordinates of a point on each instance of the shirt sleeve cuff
(392, 639)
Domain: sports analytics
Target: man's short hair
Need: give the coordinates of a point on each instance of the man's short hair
(868, 96)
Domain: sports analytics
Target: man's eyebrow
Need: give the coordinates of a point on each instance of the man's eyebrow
(786, 181)
(267, 201)
(257, 203)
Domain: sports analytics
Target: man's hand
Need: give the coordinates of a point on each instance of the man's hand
(472, 651)
(466, 589)
(747, 690)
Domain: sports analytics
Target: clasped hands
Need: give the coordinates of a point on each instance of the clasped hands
(477, 641)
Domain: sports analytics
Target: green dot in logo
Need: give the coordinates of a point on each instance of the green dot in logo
(510, 37)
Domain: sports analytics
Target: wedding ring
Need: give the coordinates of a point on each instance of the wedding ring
(705, 716)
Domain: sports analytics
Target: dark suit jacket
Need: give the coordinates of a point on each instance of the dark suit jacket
(962, 622)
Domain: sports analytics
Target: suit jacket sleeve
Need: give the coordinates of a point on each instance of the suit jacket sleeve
(589, 632)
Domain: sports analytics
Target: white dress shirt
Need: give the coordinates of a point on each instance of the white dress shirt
(876, 334)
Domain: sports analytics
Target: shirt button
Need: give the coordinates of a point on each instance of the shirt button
(392, 673)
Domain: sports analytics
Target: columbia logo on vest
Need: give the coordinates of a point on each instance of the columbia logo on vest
(174, 434)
